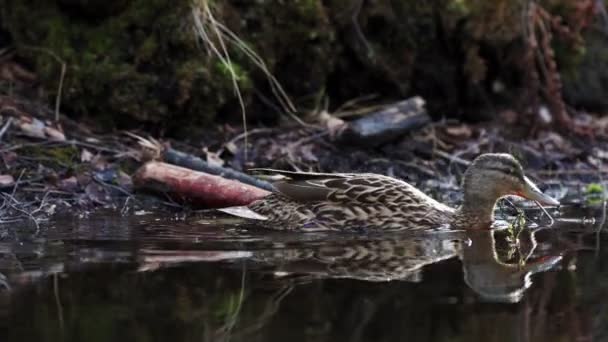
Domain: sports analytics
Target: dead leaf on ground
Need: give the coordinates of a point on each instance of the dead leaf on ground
(86, 156)
(31, 127)
(69, 184)
(53, 134)
(97, 194)
(460, 131)
(6, 181)
(334, 124)
(36, 128)
(98, 162)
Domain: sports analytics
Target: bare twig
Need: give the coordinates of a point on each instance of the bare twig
(6, 126)
(452, 158)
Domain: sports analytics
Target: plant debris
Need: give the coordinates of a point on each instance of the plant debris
(48, 166)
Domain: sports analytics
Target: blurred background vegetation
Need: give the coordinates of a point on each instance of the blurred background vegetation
(171, 66)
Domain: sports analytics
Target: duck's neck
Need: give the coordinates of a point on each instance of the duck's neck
(476, 212)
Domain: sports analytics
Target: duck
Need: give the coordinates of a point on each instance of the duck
(313, 201)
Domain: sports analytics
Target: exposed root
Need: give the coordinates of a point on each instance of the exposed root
(540, 64)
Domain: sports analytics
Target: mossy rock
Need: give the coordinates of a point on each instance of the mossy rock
(124, 64)
(134, 62)
(139, 61)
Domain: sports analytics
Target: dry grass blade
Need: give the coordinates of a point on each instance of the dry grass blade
(152, 149)
(275, 85)
(206, 27)
(216, 38)
(150, 143)
(61, 75)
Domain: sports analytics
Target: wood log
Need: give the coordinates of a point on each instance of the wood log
(387, 124)
(195, 163)
(195, 187)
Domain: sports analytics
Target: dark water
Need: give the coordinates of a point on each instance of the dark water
(109, 277)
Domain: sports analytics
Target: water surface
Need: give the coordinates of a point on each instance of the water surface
(109, 277)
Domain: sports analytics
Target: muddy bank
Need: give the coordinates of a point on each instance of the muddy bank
(49, 167)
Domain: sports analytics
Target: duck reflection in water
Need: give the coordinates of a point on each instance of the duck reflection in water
(499, 270)
(494, 267)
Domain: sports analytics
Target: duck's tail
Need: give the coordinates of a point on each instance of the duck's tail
(244, 212)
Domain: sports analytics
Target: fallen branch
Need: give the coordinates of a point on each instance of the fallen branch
(189, 161)
(198, 188)
(385, 125)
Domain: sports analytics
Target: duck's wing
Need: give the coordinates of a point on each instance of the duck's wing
(338, 187)
(299, 175)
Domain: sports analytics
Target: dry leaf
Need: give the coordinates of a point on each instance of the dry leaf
(69, 184)
(53, 134)
(334, 124)
(32, 127)
(99, 163)
(86, 156)
(460, 131)
(6, 181)
(96, 193)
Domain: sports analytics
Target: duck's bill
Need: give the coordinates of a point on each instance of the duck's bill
(533, 193)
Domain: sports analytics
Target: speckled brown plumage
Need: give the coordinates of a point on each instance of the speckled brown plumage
(349, 201)
(346, 201)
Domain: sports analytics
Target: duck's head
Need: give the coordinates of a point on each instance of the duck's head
(492, 176)
(495, 175)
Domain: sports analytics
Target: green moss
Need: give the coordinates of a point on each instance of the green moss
(139, 61)
(147, 50)
(594, 188)
(230, 70)
(122, 67)
(57, 156)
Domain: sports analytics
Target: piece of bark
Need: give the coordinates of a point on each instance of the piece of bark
(195, 163)
(387, 124)
(195, 187)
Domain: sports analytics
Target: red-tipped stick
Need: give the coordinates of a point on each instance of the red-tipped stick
(195, 187)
